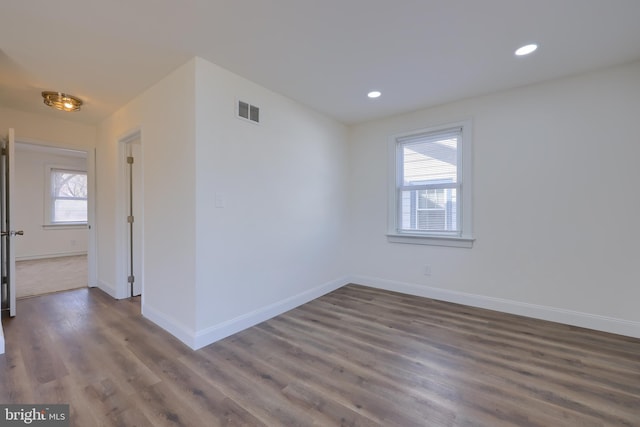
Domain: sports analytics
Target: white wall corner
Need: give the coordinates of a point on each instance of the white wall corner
(222, 330)
(108, 289)
(169, 324)
(568, 317)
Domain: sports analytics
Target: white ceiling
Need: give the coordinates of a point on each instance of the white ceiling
(326, 54)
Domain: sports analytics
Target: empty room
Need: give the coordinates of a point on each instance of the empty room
(50, 198)
(363, 213)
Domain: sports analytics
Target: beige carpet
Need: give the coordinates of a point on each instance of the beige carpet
(43, 276)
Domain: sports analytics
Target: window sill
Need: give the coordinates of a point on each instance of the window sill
(65, 226)
(416, 239)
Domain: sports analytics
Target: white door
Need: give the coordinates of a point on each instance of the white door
(7, 186)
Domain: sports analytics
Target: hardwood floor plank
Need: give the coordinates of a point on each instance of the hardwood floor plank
(281, 382)
(356, 389)
(45, 275)
(531, 380)
(83, 411)
(231, 380)
(16, 383)
(202, 397)
(434, 385)
(507, 349)
(355, 357)
(164, 407)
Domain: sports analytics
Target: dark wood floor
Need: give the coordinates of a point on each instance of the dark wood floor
(357, 356)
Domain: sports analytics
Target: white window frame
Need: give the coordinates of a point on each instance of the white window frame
(464, 236)
(49, 199)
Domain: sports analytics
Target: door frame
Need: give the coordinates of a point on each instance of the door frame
(122, 226)
(8, 225)
(92, 276)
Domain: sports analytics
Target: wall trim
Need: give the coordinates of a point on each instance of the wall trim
(108, 289)
(29, 144)
(201, 338)
(45, 256)
(169, 324)
(1, 340)
(553, 314)
(222, 330)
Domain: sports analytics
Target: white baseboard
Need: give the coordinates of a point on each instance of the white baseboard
(45, 256)
(222, 330)
(108, 288)
(204, 337)
(169, 324)
(568, 317)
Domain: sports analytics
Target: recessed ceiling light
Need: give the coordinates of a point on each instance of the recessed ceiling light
(374, 94)
(526, 50)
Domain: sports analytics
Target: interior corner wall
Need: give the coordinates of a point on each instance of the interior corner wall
(555, 205)
(164, 115)
(271, 204)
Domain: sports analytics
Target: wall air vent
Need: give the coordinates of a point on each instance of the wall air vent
(248, 112)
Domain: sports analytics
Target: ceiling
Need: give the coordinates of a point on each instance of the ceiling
(326, 54)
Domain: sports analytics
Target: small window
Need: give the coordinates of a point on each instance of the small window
(68, 197)
(430, 199)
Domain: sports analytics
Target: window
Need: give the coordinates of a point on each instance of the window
(430, 191)
(68, 197)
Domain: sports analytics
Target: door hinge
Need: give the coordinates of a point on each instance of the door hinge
(130, 160)
(131, 279)
(130, 219)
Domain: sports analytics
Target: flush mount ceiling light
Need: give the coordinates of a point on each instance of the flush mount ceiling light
(526, 50)
(62, 101)
(374, 94)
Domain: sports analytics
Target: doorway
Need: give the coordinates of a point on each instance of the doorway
(130, 237)
(51, 200)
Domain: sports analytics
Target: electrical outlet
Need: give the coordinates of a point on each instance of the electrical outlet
(427, 270)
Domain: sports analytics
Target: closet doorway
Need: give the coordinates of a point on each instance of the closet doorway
(131, 201)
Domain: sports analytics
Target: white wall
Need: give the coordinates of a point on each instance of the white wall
(165, 117)
(275, 238)
(45, 130)
(31, 164)
(243, 221)
(208, 270)
(556, 206)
